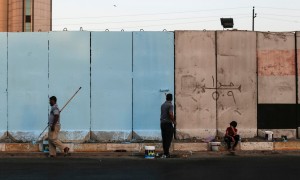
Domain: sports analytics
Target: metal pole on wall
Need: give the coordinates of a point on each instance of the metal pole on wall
(253, 17)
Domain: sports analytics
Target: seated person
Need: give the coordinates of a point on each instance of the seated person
(231, 135)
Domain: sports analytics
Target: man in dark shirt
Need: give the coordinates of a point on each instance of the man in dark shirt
(166, 124)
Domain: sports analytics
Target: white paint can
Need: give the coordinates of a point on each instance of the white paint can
(269, 135)
(149, 152)
(215, 146)
(45, 146)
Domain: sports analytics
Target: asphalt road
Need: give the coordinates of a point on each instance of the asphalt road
(221, 168)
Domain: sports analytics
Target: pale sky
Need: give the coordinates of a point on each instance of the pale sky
(157, 15)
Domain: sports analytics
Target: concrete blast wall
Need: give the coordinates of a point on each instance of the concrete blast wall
(276, 68)
(124, 77)
(111, 78)
(277, 82)
(27, 84)
(120, 96)
(3, 84)
(298, 75)
(236, 81)
(195, 79)
(206, 99)
(153, 76)
(69, 69)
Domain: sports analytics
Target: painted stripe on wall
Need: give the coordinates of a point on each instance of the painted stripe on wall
(276, 67)
(277, 116)
(276, 62)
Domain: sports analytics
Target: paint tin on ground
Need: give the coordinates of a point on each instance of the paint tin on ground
(45, 146)
(269, 135)
(215, 146)
(149, 152)
(284, 138)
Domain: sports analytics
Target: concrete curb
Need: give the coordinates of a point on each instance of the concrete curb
(283, 146)
(139, 147)
(257, 146)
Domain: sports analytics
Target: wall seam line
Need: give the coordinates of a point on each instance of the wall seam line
(90, 85)
(296, 76)
(7, 84)
(257, 89)
(174, 84)
(132, 35)
(216, 71)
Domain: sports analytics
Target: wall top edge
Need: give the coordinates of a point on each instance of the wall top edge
(270, 32)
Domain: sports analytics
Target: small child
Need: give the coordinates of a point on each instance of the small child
(231, 135)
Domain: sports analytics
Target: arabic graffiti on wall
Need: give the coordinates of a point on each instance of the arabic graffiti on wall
(190, 85)
(229, 88)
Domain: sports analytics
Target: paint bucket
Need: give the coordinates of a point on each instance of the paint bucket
(45, 146)
(284, 138)
(215, 146)
(269, 135)
(149, 152)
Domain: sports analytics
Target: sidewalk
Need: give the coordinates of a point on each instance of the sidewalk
(291, 145)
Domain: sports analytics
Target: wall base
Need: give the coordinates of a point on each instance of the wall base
(110, 135)
(277, 133)
(195, 133)
(244, 133)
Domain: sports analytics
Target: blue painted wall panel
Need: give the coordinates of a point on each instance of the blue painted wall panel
(153, 67)
(111, 81)
(27, 81)
(69, 69)
(3, 82)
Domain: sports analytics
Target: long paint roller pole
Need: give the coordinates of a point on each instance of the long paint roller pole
(59, 111)
(41, 134)
(70, 99)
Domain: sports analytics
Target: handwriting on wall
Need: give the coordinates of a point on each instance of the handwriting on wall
(190, 85)
(229, 88)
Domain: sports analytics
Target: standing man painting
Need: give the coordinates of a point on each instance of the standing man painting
(166, 124)
(54, 128)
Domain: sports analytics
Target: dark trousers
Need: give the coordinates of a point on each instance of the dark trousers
(167, 131)
(229, 140)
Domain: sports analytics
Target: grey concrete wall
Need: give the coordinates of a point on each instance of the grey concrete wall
(236, 81)
(276, 68)
(277, 83)
(298, 68)
(195, 82)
